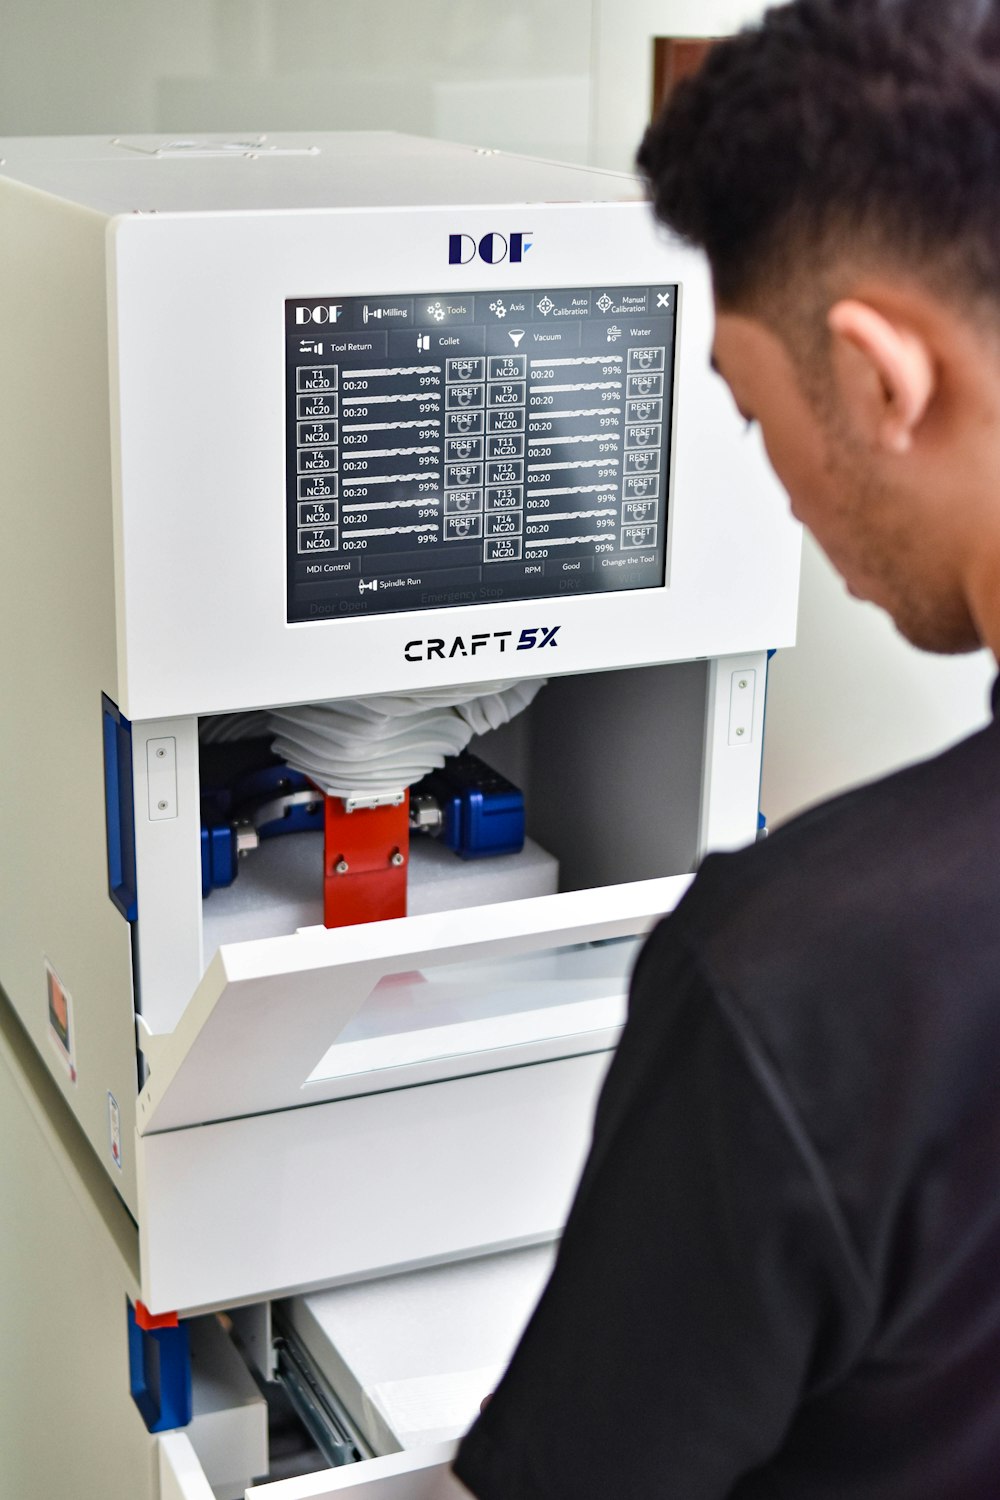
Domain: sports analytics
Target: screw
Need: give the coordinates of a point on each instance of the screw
(397, 859)
(160, 753)
(162, 806)
(341, 867)
(743, 683)
(739, 733)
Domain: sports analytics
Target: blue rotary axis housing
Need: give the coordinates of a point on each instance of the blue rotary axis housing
(268, 801)
(466, 805)
(482, 813)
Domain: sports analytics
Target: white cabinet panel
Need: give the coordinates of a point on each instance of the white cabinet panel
(181, 1475)
(266, 1013)
(422, 1474)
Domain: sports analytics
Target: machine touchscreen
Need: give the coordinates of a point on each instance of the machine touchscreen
(448, 449)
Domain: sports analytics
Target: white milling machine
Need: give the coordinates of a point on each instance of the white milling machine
(293, 421)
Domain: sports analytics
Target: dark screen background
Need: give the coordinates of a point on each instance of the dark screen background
(449, 448)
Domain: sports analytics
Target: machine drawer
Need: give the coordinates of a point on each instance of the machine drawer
(282, 1023)
(267, 1167)
(393, 1370)
(421, 1474)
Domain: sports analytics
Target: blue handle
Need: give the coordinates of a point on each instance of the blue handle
(119, 809)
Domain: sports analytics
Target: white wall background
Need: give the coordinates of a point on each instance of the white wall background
(564, 78)
(852, 700)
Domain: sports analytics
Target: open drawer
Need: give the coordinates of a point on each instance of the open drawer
(421, 1474)
(338, 1104)
(386, 1374)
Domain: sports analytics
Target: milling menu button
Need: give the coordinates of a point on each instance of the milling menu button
(382, 312)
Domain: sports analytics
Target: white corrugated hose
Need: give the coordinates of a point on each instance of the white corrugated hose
(378, 746)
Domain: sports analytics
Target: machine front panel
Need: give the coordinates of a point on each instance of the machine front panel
(449, 449)
(223, 476)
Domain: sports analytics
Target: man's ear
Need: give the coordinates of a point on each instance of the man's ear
(885, 372)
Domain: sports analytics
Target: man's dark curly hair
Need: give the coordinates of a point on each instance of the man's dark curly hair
(840, 127)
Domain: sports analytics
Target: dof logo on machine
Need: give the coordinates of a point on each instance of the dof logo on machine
(493, 248)
(330, 313)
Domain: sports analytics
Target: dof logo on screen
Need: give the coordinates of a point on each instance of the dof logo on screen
(493, 248)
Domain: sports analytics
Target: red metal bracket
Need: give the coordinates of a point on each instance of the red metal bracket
(148, 1321)
(365, 862)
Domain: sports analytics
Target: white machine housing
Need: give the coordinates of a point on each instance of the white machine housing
(143, 284)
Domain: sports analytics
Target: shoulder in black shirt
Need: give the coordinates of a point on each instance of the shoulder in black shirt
(781, 1274)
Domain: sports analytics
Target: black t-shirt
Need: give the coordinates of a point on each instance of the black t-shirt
(781, 1274)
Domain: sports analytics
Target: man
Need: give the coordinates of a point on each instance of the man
(781, 1275)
